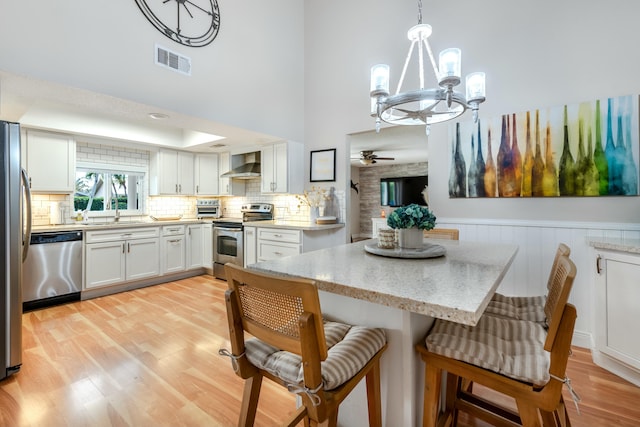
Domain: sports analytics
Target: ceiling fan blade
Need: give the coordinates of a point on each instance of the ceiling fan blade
(385, 158)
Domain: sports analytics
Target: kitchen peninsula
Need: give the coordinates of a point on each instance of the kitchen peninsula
(403, 296)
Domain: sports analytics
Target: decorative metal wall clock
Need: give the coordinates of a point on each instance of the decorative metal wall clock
(192, 23)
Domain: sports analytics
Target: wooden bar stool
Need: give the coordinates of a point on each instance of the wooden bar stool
(526, 308)
(321, 361)
(518, 358)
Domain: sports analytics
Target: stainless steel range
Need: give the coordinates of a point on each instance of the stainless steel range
(228, 239)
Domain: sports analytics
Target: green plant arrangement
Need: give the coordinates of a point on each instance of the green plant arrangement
(412, 216)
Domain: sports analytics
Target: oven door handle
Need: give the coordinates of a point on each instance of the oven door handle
(227, 229)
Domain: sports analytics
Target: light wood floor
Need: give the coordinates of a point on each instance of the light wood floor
(149, 357)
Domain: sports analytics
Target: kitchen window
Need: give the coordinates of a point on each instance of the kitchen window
(100, 187)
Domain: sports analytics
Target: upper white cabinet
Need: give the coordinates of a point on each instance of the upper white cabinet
(50, 160)
(206, 175)
(228, 187)
(282, 168)
(171, 173)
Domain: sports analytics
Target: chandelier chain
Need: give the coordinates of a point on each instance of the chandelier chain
(419, 11)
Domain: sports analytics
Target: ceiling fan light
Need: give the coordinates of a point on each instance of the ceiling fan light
(366, 162)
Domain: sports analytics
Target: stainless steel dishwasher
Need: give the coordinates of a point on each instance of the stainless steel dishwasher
(52, 272)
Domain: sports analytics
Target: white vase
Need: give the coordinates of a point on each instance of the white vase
(314, 213)
(410, 238)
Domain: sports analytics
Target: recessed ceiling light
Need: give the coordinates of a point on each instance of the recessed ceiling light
(158, 116)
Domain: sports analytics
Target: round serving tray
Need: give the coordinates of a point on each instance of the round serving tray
(428, 250)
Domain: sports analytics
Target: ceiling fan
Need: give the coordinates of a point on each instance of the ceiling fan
(368, 158)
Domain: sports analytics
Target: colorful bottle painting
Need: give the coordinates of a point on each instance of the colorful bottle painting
(567, 171)
(506, 175)
(480, 167)
(615, 169)
(584, 152)
(630, 174)
(527, 165)
(537, 171)
(550, 175)
(472, 175)
(490, 170)
(599, 158)
(588, 171)
(516, 160)
(458, 178)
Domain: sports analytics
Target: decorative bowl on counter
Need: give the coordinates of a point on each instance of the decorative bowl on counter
(166, 218)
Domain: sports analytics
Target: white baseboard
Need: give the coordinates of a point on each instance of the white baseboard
(620, 369)
(582, 339)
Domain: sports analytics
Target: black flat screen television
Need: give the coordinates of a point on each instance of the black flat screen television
(403, 191)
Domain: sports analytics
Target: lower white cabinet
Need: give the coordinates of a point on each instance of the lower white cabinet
(173, 249)
(195, 246)
(273, 243)
(616, 306)
(117, 256)
(250, 246)
(207, 257)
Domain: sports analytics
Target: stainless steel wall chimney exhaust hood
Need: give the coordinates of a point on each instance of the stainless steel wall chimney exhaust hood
(248, 166)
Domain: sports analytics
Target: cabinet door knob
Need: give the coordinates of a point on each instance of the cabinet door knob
(598, 266)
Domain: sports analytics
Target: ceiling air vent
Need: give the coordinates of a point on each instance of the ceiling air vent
(173, 60)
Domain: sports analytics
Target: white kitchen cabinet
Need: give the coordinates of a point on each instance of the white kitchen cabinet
(207, 176)
(273, 243)
(117, 256)
(282, 168)
(250, 246)
(50, 161)
(616, 306)
(171, 173)
(227, 186)
(173, 249)
(207, 257)
(195, 246)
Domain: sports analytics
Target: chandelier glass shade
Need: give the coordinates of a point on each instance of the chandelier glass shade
(425, 106)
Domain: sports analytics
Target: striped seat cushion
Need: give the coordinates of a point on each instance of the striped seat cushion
(349, 349)
(520, 308)
(514, 348)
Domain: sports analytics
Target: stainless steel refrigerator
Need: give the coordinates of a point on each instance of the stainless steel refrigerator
(15, 230)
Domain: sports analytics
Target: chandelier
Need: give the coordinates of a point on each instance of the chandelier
(425, 106)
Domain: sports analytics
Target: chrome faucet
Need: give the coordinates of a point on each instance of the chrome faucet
(117, 215)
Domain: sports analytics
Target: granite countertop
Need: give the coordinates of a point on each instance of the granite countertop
(294, 225)
(108, 225)
(456, 287)
(615, 244)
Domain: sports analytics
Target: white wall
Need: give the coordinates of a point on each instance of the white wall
(536, 55)
(251, 76)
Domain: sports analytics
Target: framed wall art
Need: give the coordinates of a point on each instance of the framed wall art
(589, 149)
(323, 165)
